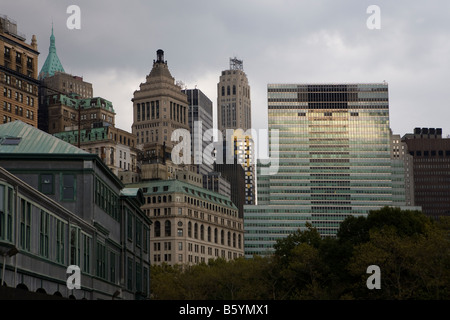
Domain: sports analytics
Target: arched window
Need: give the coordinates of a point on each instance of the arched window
(164, 199)
(215, 235)
(223, 90)
(154, 200)
(234, 240)
(209, 234)
(167, 228)
(157, 229)
(202, 232)
(170, 198)
(228, 90)
(159, 199)
(239, 241)
(229, 239)
(222, 237)
(195, 231)
(234, 89)
(189, 229)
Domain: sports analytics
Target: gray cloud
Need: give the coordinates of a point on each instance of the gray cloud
(279, 41)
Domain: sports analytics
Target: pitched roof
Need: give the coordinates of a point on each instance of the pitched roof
(52, 63)
(19, 137)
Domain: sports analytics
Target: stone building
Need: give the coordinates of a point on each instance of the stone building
(18, 75)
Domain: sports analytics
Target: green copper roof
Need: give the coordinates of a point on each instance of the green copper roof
(19, 137)
(52, 63)
(155, 187)
(88, 103)
(87, 135)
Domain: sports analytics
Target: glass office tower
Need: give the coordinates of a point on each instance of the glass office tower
(334, 160)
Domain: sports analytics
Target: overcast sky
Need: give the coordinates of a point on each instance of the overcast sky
(279, 41)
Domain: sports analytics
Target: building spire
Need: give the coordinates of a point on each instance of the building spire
(52, 63)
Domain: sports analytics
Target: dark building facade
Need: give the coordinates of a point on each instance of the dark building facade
(235, 174)
(64, 207)
(431, 166)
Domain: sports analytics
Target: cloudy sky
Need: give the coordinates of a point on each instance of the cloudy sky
(280, 41)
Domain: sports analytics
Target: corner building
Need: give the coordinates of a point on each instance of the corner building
(334, 160)
(190, 225)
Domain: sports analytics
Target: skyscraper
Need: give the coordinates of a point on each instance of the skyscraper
(200, 115)
(233, 98)
(159, 106)
(334, 160)
(233, 113)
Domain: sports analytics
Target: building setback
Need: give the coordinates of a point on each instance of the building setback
(18, 75)
(431, 167)
(334, 160)
(74, 211)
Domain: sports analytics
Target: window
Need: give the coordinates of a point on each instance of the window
(145, 281)
(146, 238)
(68, 186)
(167, 228)
(138, 232)
(101, 260)
(138, 277)
(43, 233)
(129, 225)
(129, 274)
(46, 183)
(25, 225)
(180, 232)
(86, 253)
(74, 245)
(60, 242)
(157, 229)
(112, 267)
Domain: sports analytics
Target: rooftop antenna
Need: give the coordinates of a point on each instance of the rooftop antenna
(236, 64)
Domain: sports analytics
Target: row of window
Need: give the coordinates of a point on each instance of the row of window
(17, 111)
(140, 233)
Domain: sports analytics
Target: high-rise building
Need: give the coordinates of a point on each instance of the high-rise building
(18, 75)
(234, 113)
(233, 98)
(431, 168)
(334, 160)
(54, 81)
(159, 107)
(200, 119)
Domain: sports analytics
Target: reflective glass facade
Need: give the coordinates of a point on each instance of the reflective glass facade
(334, 160)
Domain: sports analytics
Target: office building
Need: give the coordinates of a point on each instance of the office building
(431, 168)
(334, 160)
(18, 75)
(159, 107)
(233, 98)
(190, 224)
(53, 81)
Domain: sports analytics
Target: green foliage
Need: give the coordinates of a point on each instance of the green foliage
(412, 251)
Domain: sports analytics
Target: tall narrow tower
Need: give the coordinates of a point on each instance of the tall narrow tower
(233, 98)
